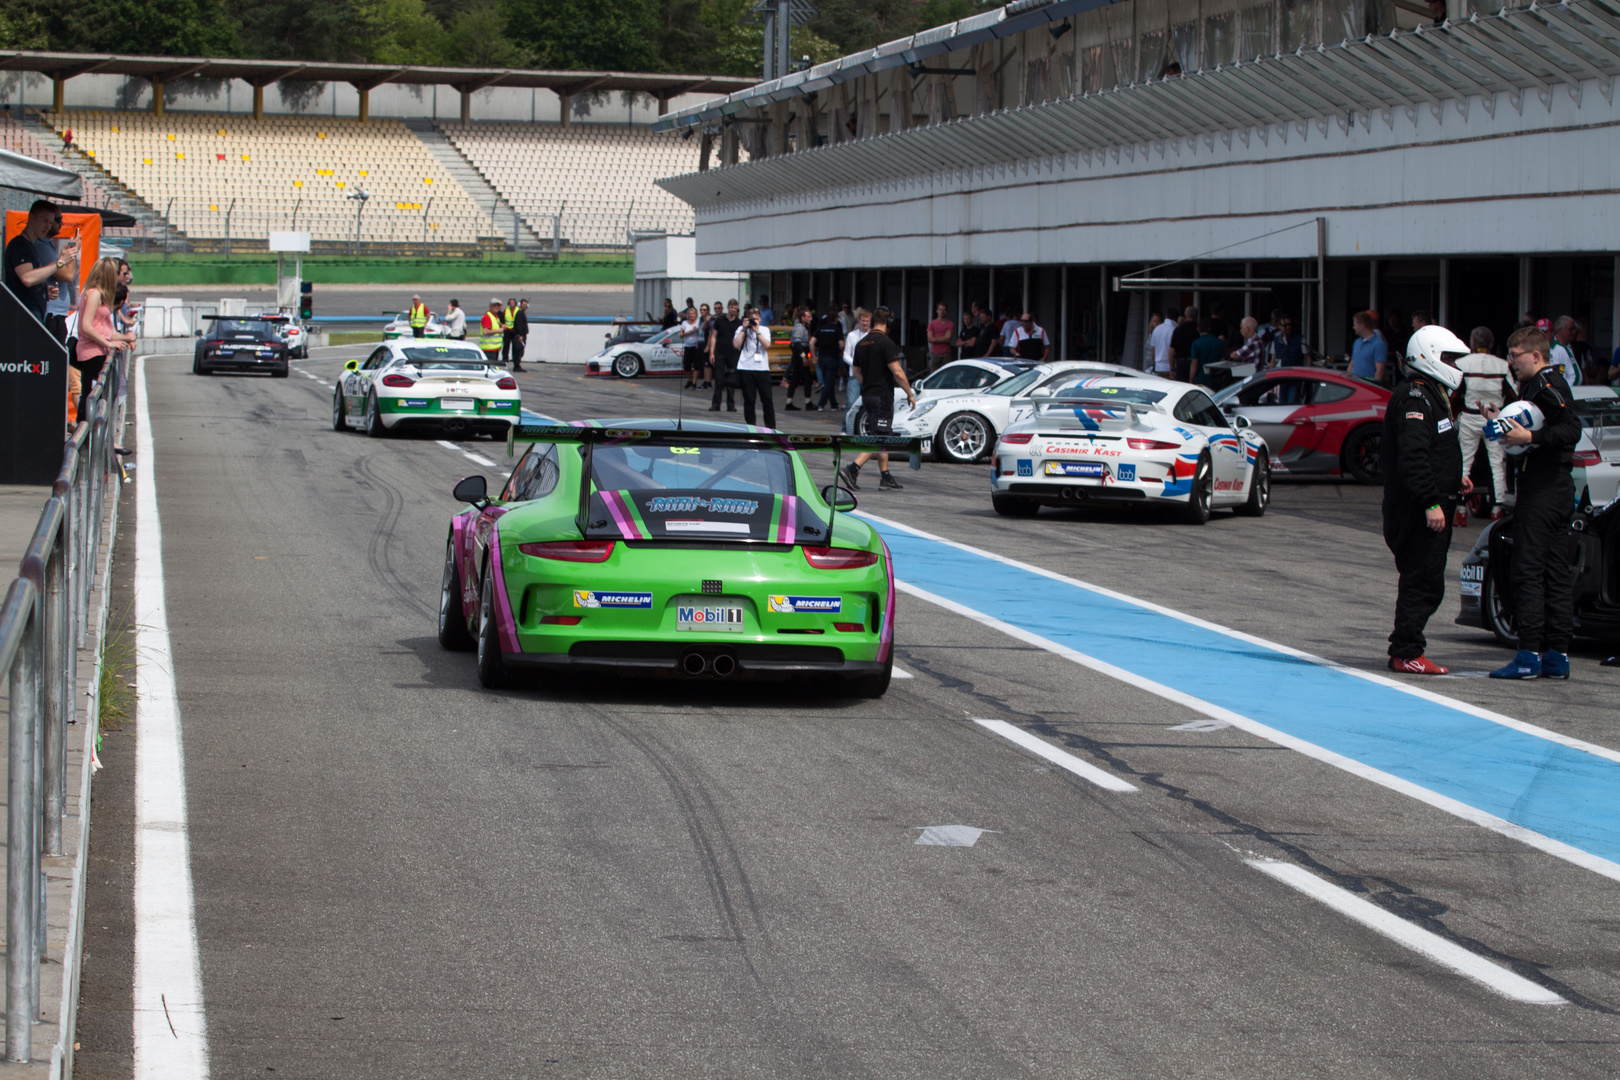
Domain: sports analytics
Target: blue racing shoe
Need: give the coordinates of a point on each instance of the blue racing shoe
(1524, 665)
(1554, 665)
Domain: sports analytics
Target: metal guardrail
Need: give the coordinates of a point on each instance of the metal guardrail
(43, 623)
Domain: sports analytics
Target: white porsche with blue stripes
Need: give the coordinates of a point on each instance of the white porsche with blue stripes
(1148, 441)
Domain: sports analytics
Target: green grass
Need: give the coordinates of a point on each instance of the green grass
(354, 337)
(503, 268)
(116, 690)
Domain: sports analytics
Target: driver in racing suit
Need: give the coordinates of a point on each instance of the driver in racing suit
(1485, 386)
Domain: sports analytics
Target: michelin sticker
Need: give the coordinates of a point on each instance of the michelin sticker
(588, 598)
(801, 605)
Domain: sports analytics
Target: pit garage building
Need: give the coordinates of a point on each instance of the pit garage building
(1324, 156)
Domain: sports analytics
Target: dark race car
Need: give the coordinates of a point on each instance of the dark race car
(242, 343)
(1315, 422)
(1595, 553)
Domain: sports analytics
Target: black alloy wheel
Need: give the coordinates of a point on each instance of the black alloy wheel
(492, 670)
(1200, 497)
(1362, 456)
(453, 632)
(1259, 488)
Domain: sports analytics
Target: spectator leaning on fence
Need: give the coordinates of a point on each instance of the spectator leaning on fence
(97, 338)
(1253, 349)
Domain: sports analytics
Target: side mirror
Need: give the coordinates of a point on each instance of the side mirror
(352, 365)
(837, 496)
(1240, 422)
(1040, 391)
(471, 489)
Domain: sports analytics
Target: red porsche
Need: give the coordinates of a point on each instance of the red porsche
(1316, 422)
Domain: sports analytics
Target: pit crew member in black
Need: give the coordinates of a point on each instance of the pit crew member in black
(878, 365)
(1423, 474)
(1541, 579)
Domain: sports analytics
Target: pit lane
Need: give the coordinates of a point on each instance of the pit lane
(723, 880)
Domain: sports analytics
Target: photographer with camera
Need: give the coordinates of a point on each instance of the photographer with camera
(752, 342)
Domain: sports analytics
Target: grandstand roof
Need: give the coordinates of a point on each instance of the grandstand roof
(1014, 18)
(265, 72)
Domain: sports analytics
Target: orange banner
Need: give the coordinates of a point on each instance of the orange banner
(85, 228)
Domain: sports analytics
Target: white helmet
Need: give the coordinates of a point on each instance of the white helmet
(1426, 352)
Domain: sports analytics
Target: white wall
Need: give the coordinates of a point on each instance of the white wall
(1542, 180)
(334, 99)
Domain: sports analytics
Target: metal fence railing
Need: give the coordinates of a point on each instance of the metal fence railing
(43, 622)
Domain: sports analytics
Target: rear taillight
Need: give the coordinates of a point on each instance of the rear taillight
(507, 383)
(1151, 444)
(848, 627)
(829, 558)
(1585, 459)
(398, 380)
(1018, 439)
(570, 550)
(560, 620)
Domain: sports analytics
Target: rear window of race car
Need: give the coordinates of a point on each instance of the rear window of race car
(742, 469)
(452, 357)
(1110, 395)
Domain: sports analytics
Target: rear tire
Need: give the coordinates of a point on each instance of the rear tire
(453, 632)
(281, 372)
(1199, 498)
(1014, 506)
(872, 686)
(1498, 620)
(340, 410)
(374, 424)
(1361, 458)
(492, 670)
(1259, 488)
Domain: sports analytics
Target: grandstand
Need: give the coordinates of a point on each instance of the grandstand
(216, 177)
(599, 177)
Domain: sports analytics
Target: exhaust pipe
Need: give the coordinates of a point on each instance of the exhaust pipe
(694, 663)
(723, 665)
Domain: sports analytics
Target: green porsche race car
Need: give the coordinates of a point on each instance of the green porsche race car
(651, 547)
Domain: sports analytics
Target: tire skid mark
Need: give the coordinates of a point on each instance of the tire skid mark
(379, 555)
(1391, 895)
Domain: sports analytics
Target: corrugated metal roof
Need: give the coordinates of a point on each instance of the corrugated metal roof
(1540, 50)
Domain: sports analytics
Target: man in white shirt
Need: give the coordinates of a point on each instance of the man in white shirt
(1161, 347)
(1563, 351)
(1485, 385)
(752, 340)
(455, 322)
(691, 331)
(852, 337)
(1029, 340)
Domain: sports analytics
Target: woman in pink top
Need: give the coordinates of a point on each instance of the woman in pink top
(96, 338)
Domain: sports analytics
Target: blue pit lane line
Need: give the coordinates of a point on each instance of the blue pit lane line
(1562, 792)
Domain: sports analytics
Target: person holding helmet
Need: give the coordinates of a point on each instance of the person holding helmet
(1541, 580)
(1423, 479)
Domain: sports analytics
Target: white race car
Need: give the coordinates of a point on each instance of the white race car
(964, 428)
(639, 349)
(1597, 455)
(296, 336)
(409, 385)
(400, 327)
(955, 379)
(1130, 440)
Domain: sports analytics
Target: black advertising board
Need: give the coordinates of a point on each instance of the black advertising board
(33, 396)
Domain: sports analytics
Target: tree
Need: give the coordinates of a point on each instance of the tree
(581, 34)
(476, 37)
(152, 27)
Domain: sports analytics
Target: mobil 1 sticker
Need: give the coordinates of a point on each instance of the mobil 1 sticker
(801, 605)
(722, 619)
(590, 598)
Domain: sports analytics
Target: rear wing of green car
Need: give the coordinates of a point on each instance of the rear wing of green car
(590, 437)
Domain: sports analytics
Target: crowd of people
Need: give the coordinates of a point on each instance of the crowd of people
(503, 328)
(43, 270)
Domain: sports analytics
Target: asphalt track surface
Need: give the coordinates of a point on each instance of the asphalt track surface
(398, 874)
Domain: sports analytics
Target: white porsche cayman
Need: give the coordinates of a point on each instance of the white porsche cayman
(1130, 440)
(407, 384)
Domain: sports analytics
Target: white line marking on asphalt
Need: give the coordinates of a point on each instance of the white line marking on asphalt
(1557, 848)
(448, 445)
(1193, 620)
(1061, 758)
(479, 458)
(171, 1038)
(901, 673)
(1203, 724)
(950, 835)
(1448, 954)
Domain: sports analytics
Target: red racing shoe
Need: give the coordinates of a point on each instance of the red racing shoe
(1417, 665)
